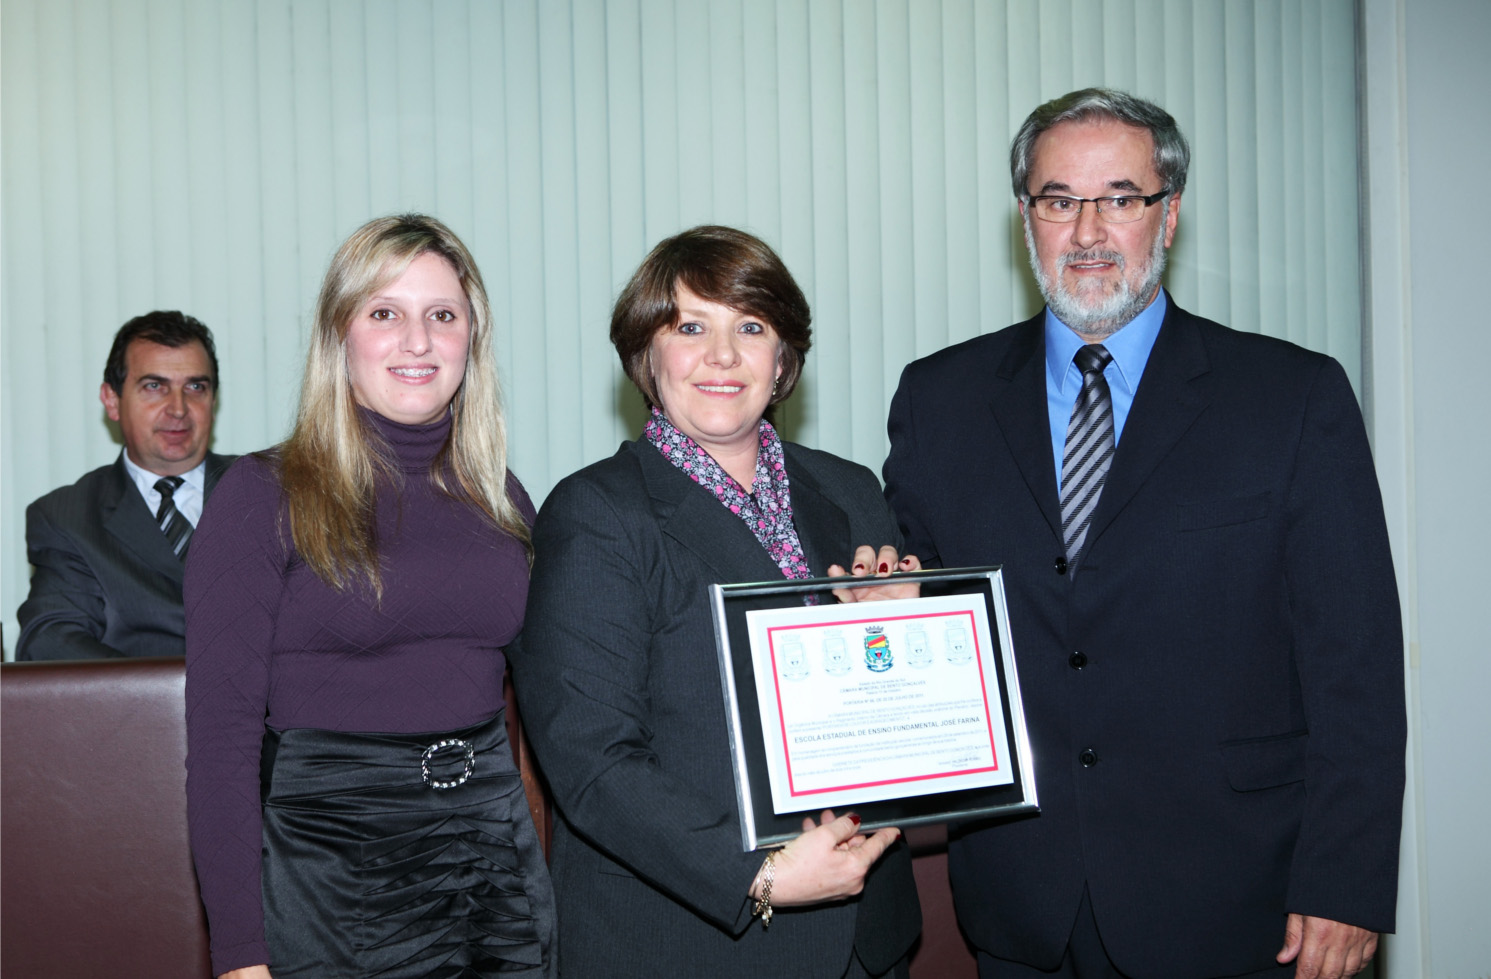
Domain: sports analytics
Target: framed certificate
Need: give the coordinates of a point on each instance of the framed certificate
(906, 711)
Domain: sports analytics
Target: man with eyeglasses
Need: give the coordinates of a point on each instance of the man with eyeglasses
(1201, 595)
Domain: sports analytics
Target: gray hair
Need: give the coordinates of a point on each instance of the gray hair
(1172, 156)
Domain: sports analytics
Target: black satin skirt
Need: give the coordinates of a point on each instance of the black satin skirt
(371, 870)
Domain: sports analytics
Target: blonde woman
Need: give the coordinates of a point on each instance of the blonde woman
(353, 801)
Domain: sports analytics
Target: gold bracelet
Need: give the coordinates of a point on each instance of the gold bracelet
(768, 874)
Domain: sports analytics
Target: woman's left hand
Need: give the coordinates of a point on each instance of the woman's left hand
(868, 562)
(828, 862)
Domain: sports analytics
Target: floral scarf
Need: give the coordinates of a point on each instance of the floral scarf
(767, 511)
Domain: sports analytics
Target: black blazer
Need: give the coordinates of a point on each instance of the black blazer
(105, 583)
(1230, 649)
(618, 679)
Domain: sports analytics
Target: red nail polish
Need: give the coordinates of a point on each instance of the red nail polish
(884, 568)
(858, 567)
(854, 818)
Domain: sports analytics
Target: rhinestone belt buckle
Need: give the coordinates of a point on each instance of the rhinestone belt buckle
(432, 750)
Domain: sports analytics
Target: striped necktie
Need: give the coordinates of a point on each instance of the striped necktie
(173, 523)
(1089, 449)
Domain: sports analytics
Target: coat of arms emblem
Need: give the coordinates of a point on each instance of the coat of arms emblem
(877, 649)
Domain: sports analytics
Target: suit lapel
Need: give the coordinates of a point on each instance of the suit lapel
(1019, 407)
(130, 521)
(689, 516)
(822, 526)
(216, 466)
(1168, 402)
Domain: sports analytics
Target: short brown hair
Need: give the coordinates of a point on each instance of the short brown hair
(724, 266)
(167, 327)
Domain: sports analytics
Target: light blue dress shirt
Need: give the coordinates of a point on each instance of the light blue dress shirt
(1130, 348)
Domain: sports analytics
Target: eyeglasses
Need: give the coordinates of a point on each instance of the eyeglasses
(1114, 210)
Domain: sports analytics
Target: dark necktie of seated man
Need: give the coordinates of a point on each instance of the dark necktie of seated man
(173, 523)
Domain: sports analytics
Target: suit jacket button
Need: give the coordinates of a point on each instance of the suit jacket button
(1077, 660)
(1088, 758)
(1060, 565)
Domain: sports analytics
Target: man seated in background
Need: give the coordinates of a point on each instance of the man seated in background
(108, 550)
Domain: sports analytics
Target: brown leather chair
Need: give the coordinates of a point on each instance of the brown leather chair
(95, 872)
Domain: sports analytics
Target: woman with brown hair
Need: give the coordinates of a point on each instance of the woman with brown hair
(353, 802)
(617, 664)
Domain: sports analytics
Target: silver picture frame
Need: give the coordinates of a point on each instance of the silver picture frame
(792, 687)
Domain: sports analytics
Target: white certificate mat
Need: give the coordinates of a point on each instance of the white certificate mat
(878, 700)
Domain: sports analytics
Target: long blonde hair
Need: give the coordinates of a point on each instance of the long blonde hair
(332, 461)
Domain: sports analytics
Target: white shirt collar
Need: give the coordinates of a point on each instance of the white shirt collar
(188, 498)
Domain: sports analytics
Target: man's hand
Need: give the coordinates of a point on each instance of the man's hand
(1326, 949)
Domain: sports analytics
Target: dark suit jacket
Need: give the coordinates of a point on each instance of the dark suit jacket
(619, 683)
(1240, 681)
(106, 583)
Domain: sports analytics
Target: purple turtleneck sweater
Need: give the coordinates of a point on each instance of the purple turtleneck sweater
(270, 643)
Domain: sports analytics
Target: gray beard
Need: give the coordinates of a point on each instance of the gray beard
(1098, 322)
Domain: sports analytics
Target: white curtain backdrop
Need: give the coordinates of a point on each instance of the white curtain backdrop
(211, 156)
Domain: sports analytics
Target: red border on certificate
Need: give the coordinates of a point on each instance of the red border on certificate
(978, 656)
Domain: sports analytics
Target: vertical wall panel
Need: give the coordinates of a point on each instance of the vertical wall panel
(488, 236)
(663, 185)
(291, 267)
(523, 141)
(1337, 139)
(625, 135)
(1241, 187)
(253, 401)
(1000, 278)
(1208, 137)
(207, 271)
(315, 136)
(1294, 176)
(131, 120)
(172, 154)
(1175, 89)
(829, 388)
(1122, 28)
(598, 383)
(60, 228)
(960, 169)
(795, 201)
(893, 238)
(864, 336)
(688, 70)
(97, 234)
(561, 274)
(451, 138)
(729, 61)
(928, 179)
(759, 124)
(347, 65)
(378, 56)
(1312, 211)
(1277, 191)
